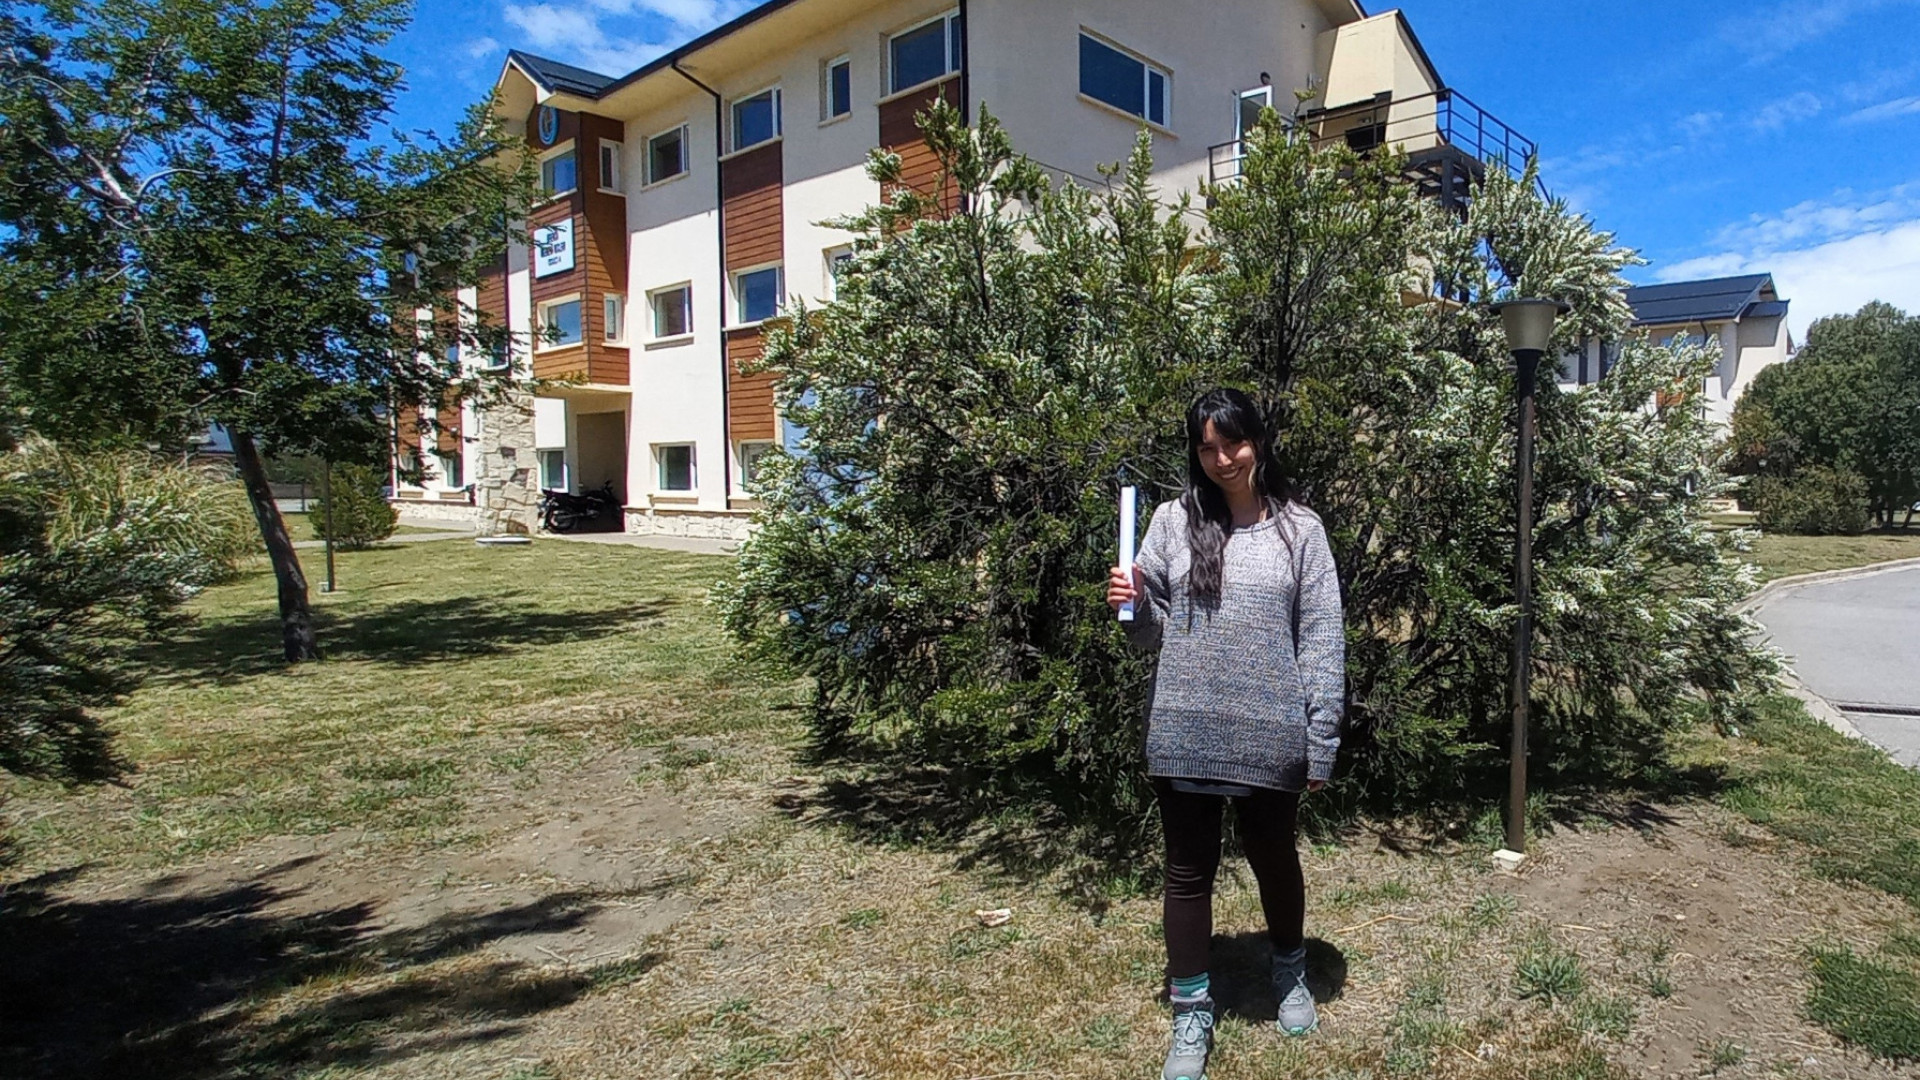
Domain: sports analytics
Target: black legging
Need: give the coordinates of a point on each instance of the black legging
(1267, 821)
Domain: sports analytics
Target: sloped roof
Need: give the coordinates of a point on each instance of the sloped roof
(1711, 300)
(556, 76)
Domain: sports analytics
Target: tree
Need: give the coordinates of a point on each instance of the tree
(1845, 404)
(935, 555)
(199, 183)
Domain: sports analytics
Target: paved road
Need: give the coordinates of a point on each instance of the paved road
(1857, 643)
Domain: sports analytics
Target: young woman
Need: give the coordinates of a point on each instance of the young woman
(1236, 588)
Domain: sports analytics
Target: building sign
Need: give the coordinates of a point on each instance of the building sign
(553, 248)
(549, 124)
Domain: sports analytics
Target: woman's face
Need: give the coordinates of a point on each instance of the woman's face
(1227, 462)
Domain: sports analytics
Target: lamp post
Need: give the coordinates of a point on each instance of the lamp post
(1529, 327)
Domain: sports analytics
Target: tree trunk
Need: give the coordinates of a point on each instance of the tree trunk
(296, 617)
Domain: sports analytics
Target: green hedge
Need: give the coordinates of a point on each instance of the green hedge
(362, 516)
(1815, 501)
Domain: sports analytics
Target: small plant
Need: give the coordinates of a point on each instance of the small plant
(1105, 1033)
(1492, 909)
(864, 919)
(1605, 1015)
(1549, 973)
(1725, 1054)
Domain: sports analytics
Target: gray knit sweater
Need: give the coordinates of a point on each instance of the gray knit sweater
(1250, 692)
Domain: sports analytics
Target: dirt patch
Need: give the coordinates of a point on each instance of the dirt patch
(1730, 912)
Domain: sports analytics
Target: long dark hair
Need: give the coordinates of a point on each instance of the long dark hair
(1209, 519)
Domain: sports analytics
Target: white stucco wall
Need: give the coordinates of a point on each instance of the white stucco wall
(1026, 71)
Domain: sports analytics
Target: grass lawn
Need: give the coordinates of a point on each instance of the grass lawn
(1783, 556)
(533, 819)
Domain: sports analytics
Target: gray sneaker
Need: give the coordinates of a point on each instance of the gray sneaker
(1297, 1014)
(1192, 1039)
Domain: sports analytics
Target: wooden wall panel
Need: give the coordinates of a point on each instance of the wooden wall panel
(900, 134)
(751, 206)
(750, 412)
(560, 363)
(447, 430)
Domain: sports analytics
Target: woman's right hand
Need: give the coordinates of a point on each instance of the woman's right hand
(1122, 587)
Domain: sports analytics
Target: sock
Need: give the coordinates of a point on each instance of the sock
(1189, 990)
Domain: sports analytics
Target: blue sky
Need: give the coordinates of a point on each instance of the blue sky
(1716, 138)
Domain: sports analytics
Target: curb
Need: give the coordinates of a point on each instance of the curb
(1773, 588)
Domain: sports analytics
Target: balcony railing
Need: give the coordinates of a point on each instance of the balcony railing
(1439, 132)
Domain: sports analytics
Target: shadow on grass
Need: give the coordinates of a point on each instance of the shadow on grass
(179, 986)
(1242, 975)
(405, 633)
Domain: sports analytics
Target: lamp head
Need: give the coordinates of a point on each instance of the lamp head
(1529, 323)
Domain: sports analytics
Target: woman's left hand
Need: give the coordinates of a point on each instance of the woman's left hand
(1316, 785)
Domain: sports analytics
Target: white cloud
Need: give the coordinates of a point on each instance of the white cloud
(614, 36)
(1886, 110)
(1778, 114)
(482, 47)
(1827, 258)
(1766, 34)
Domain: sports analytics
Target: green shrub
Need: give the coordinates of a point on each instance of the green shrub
(361, 514)
(97, 553)
(1814, 501)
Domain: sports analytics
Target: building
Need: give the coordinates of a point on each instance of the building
(688, 196)
(1744, 315)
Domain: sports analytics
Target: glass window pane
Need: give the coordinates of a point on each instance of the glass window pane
(954, 40)
(760, 295)
(1156, 97)
(676, 468)
(1112, 76)
(553, 470)
(840, 80)
(610, 166)
(671, 313)
(614, 317)
(558, 174)
(918, 55)
(665, 156)
(754, 120)
(565, 318)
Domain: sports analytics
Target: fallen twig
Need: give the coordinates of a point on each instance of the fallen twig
(1372, 922)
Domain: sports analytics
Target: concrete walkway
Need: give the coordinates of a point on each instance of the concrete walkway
(1854, 639)
(698, 545)
(398, 538)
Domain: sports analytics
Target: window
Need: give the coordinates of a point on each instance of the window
(676, 467)
(558, 173)
(837, 259)
(615, 308)
(667, 155)
(553, 470)
(1124, 81)
(751, 456)
(452, 469)
(836, 89)
(756, 119)
(453, 360)
(610, 166)
(757, 294)
(672, 311)
(927, 52)
(560, 324)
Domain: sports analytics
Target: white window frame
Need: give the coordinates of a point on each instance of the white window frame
(654, 337)
(829, 258)
(827, 67)
(612, 181)
(540, 342)
(740, 448)
(686, 159)
(1148, 69)
(660, 469)
(952, 40)
(613, 315)
(739, 305)
(733, 125)
(553, 153)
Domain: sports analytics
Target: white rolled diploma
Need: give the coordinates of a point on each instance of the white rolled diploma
(1126, 546)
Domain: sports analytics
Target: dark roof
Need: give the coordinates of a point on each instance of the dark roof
(554, 75)
(1712, 300)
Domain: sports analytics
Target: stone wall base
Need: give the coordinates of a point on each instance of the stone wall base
(435, 510)
(704, 524)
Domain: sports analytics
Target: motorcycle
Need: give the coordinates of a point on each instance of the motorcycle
(565, 512)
